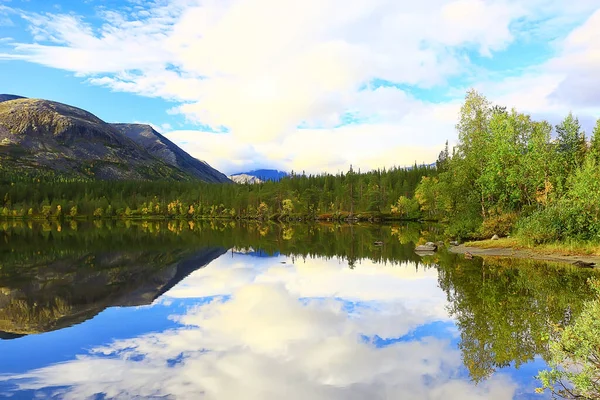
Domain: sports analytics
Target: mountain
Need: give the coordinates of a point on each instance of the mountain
(263, 174)
(161, 147)
(245, 178)
(47, 138)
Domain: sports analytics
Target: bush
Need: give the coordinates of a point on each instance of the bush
(540, 227)
(498, 223)
(465, 227)
(563, 220)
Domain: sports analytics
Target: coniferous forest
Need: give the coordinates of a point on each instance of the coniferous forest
(363, 195)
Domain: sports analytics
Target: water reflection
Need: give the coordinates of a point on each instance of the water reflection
(273, 331)
(505, 309)
(324, 320)
(69, 291)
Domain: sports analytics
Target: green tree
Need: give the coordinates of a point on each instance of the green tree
(595, 143)
(406, 208)
(443, 159)
(427, 195)
(571, 145)
(287, 207)
(474, 142)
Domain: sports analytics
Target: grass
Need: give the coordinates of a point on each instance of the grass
(571, 248)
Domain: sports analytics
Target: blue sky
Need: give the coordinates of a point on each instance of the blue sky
(245, 84)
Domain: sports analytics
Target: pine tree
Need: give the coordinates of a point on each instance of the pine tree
(595, 143)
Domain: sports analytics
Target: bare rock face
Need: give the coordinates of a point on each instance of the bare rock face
(46, 136)
(245, 178)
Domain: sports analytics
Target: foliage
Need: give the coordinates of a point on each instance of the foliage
(506, 175)
(498, 223)
(575, 355)
(595, 143)
(406, 208)
(464, 227)
(576, 215)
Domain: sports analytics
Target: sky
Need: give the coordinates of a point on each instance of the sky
(311, 85)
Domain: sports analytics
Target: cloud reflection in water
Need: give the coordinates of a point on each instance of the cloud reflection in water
(274, 331)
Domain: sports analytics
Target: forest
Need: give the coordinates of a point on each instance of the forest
(306, 197)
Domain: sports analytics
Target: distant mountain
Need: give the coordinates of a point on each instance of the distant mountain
(264, 174)
(431, 165)
(41, 138)
(161, 147)
(245, 178)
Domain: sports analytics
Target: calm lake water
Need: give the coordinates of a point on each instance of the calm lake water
(227, 311)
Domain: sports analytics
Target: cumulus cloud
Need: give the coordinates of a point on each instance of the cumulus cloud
(262, 68)
(579, 63)
(566, 82)
(395, 136)
(266, 340)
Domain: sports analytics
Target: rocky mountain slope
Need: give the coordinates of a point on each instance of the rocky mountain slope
(162, 148)
(41, 138)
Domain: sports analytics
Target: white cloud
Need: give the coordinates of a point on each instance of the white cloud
(263, 67)
(5, 16)
(266, 343)
(564, 83)
(579, 61)
(397, 135)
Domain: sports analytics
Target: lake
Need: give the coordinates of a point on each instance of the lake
(223, 310)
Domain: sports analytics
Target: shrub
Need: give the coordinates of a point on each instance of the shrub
(498, 223)
(540, 227)
(464, 227)
(563, 220)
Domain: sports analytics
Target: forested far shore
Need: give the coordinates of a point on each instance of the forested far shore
(370, 195)
(508, 174)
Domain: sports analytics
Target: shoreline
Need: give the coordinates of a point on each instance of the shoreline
(532, 254)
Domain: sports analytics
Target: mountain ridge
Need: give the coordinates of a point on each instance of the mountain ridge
(46, 138)
(161, 147)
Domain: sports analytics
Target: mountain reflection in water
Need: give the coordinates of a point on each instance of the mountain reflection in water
(329, 316)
